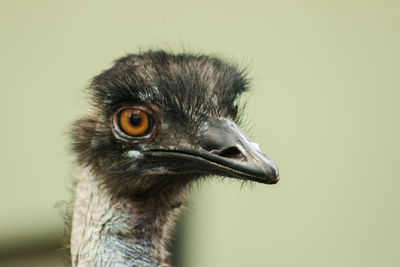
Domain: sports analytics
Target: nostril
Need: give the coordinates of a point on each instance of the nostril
(230, 152)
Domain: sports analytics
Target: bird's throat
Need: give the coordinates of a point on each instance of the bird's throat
(109, 231)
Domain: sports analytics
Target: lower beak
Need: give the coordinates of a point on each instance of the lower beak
(224, 150)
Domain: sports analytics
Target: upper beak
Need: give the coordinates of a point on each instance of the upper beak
(224, 143)
(224, 150)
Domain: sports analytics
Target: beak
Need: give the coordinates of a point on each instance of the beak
(224, 149)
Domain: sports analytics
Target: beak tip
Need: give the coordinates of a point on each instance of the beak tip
(276, 180)
(274, 175)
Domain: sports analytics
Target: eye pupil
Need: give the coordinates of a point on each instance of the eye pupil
(135, 120)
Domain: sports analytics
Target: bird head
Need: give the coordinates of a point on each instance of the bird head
(159, 121)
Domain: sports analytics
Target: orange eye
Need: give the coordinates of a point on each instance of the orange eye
(134, 121)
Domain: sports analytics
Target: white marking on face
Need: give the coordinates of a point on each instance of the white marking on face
(134, 154)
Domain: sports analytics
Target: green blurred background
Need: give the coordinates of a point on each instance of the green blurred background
(325, 106)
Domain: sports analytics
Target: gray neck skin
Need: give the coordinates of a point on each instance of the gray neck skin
(115, 232)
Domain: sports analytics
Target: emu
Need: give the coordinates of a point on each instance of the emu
(157, 123)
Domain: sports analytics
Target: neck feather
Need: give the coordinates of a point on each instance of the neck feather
(109, 231)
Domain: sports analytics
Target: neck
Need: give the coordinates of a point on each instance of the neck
(109, 231)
